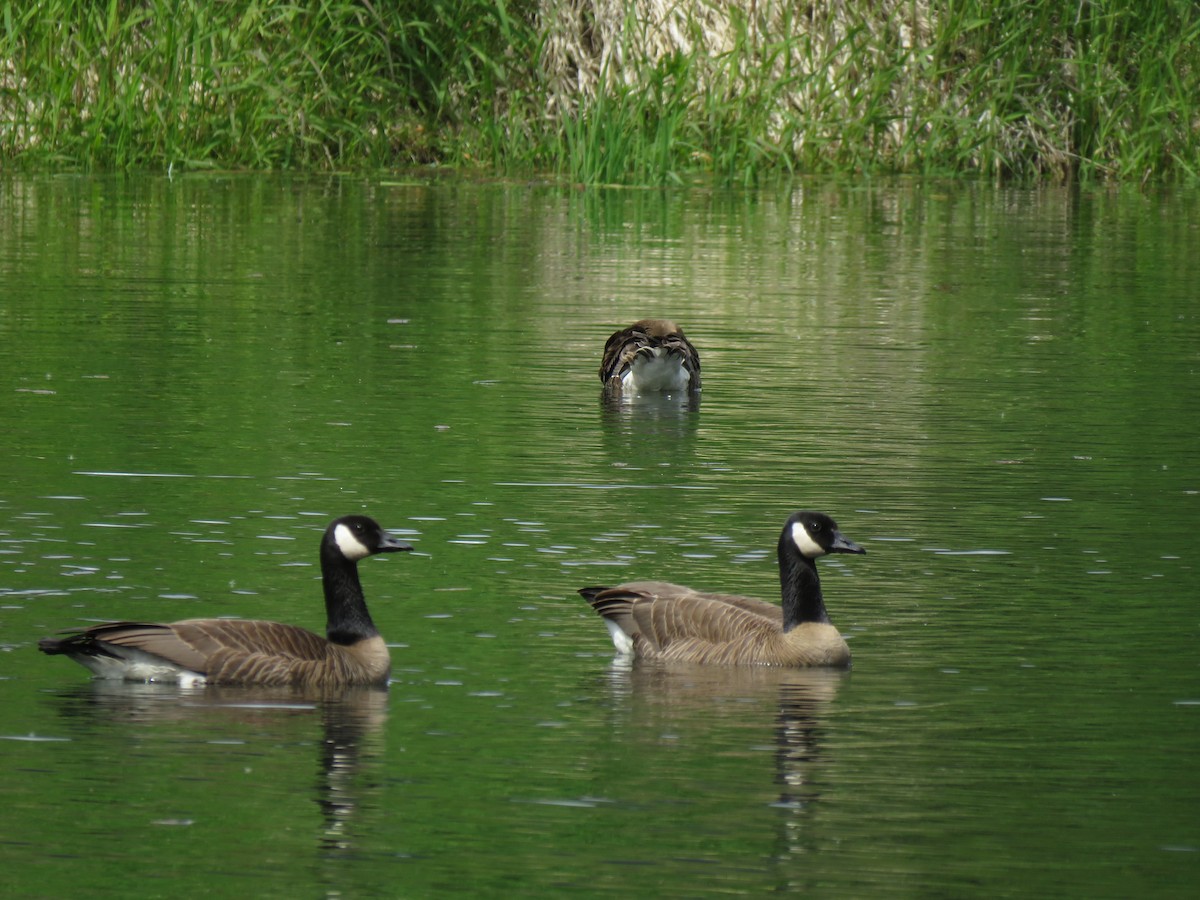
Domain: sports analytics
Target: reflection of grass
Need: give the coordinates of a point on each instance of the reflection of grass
(646, 92)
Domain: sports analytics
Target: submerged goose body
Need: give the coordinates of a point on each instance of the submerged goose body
(650, 355)
(239, 651)
(660, 620)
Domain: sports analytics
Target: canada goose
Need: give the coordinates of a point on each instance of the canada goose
(650, 355)
(239, 651)
(658, 620)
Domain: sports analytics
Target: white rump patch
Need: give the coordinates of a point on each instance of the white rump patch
(803, 540)
(657, 371)
(352, 548)
(137, 665)
(622, 641)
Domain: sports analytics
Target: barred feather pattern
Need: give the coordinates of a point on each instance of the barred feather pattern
(644, 338)
(235, 651)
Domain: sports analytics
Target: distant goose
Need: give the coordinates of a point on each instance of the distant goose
(659, 620)
(650, 355)
(239, 651)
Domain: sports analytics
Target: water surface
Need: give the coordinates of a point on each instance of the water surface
(994, 391)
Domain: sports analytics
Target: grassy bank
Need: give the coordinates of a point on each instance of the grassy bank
(643, 91)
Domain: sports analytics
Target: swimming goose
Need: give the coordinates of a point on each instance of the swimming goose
(650, 355)
(659, 620)
(240, 651)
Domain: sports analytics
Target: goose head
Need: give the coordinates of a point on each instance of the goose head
(357, 537)
(816, 534)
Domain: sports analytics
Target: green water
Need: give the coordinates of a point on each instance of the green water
(995, 391)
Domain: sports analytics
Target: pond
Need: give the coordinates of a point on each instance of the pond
(994, 390)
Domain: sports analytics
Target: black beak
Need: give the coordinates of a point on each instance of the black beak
(389, 544)
(843, 544)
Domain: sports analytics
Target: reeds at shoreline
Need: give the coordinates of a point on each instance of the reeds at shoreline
(608, 91)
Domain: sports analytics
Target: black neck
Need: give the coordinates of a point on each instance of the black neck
(802, 600)
(347, 619)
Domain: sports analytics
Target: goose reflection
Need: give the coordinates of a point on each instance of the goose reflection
(673, 697)
(798, 733)
(647, 428)
(347, 725)
(351, 721)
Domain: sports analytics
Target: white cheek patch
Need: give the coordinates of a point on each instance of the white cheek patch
(351, 547)
(804, 541)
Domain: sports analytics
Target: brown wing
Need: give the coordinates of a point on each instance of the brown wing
(234, 651)
(619, 352)
(211, 636)
(208, 646)
(150, 637)
(665, 590)
(674, 621)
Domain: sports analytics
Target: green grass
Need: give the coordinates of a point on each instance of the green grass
(1009, 89)
(322, 84)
